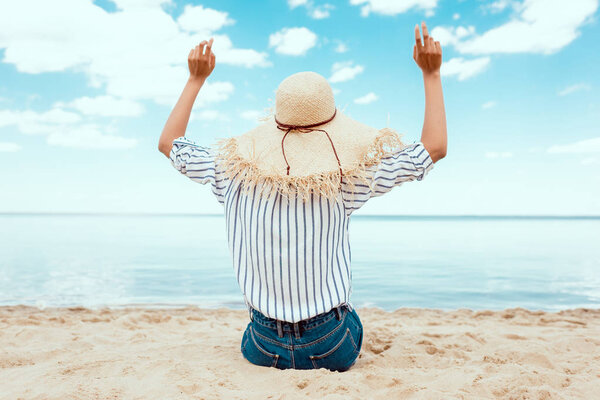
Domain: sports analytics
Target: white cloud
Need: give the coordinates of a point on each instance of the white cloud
(33, 122)
(226, 54)
(540, 26)
(464, 69)
(366, 99)
(321, 12)
(251, 115)
(451, 35)
(500, 5)
(205, 20)
(88, 137)
(455, 16)
(344, 71)
(139, 4)
(213, 92)
(208, 115)
(341, 48)
(293, 41)
(498, 154)
(9, 147)
(573, 88)
(162, 90)
(296, 3)
(316, 12)
(582, 146)
(139, 52)
(64, 128)
(106, 106)
(488, 105)
(393, 7)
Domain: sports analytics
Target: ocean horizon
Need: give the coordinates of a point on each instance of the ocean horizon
(440, 216)
(545, 262)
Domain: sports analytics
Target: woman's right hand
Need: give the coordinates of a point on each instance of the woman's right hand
(201, 60)
(427, 54)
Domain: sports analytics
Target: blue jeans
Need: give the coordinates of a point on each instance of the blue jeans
(331, 340)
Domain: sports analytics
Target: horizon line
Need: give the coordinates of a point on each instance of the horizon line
(399, 216)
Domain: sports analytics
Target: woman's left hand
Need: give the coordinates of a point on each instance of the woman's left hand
(427, 54)
(201, 60)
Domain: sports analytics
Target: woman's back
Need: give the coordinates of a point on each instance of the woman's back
(292, 258)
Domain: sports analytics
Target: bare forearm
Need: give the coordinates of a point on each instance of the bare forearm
(434, 135)
(179, 118)
(428, 56)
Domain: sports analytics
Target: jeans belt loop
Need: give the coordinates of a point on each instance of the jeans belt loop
(297, 329)
(279, 329)
(339, 313)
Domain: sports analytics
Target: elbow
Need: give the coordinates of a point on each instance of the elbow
(436, 149)
(438, 154)
(442, 153)
(164, 148)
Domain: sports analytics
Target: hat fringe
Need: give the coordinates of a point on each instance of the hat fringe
(325, 184)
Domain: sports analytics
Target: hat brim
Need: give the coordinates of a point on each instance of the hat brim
(258, 156)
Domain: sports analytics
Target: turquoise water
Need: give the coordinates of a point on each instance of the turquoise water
(437, 262)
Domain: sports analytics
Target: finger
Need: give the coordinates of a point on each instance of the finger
(201, 48)
(431, 44)
(425, 31)
(208, 49)
(415, 52)
(418, 37)
(438, 47)
(212, 60)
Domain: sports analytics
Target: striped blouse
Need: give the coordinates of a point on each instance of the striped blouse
(292, 259)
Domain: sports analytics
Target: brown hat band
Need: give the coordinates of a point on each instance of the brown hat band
(306, 129)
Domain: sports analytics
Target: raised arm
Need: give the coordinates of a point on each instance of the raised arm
(201, 62)
(428, 56)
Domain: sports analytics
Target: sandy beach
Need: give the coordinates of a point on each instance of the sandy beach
(140, 353)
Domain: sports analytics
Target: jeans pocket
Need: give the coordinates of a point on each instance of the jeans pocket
(356, 324)
(254, 352)
(341, 354)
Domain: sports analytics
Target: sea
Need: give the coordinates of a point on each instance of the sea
(443, 262)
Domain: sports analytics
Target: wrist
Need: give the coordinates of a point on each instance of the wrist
(431, 74)
(196, 80)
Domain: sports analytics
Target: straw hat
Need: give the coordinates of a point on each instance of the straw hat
(262, 155)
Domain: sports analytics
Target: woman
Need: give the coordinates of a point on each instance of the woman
(289, 187)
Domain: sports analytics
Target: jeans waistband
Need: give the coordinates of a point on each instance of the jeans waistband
(296, 327)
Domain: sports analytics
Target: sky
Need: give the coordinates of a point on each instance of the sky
(87, 86)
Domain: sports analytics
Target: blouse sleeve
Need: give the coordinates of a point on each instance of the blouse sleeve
(410, 163)
(199, 164)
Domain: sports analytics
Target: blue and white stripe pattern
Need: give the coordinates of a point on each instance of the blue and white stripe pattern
(292, 258)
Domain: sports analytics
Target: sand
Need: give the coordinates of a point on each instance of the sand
(140, 353)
